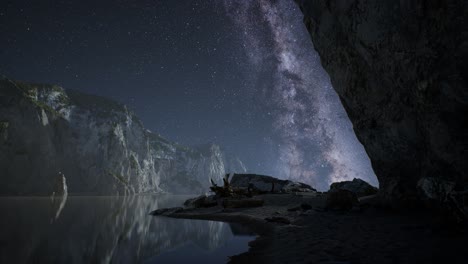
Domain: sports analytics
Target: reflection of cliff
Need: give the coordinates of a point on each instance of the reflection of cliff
(99, 229)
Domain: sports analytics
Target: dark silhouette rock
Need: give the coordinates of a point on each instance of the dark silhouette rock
(400, 69)
(357, 186)
(439, 195)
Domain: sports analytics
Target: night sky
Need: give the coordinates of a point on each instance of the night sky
(241, 74)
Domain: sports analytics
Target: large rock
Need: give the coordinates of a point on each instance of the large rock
(400, 70)
(100, 145)
(435, 189)
(263, 183)
(357, 186)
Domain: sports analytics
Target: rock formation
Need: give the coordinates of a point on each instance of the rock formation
(400, 70)
(101, 147)
(357, 186)
(263, 183)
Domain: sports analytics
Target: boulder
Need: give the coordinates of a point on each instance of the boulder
(357, 186)
(291, 187)
(263, 183)
(431, 188)
(440, 195)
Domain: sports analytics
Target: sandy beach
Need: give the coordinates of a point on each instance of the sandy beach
(365, 234)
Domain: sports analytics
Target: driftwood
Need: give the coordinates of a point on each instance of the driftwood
(228, 191)
(235, 197)
(225, 191)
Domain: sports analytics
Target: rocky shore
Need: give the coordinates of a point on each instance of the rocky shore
(309, 228)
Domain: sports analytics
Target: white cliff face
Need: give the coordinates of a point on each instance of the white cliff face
(188, 170)
(99, 144)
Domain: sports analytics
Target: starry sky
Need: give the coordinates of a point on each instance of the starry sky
(239, 73)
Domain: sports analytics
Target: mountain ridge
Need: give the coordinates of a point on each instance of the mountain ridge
(100, 146)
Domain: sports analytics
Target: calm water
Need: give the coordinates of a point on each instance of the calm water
(111, 229)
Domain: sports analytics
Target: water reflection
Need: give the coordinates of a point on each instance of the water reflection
(109, 229)
(58, 202)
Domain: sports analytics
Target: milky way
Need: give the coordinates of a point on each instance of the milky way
(241, 74)
(316, 142)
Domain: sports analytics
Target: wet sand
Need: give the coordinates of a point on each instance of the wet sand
(363, 235)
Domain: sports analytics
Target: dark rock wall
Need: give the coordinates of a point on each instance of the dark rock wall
(400, 70)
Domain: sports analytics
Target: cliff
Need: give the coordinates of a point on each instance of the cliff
(99, 146)
(400, 70)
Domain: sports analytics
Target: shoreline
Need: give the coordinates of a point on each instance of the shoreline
(363, 235)
(261, 229)
(276, 205)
